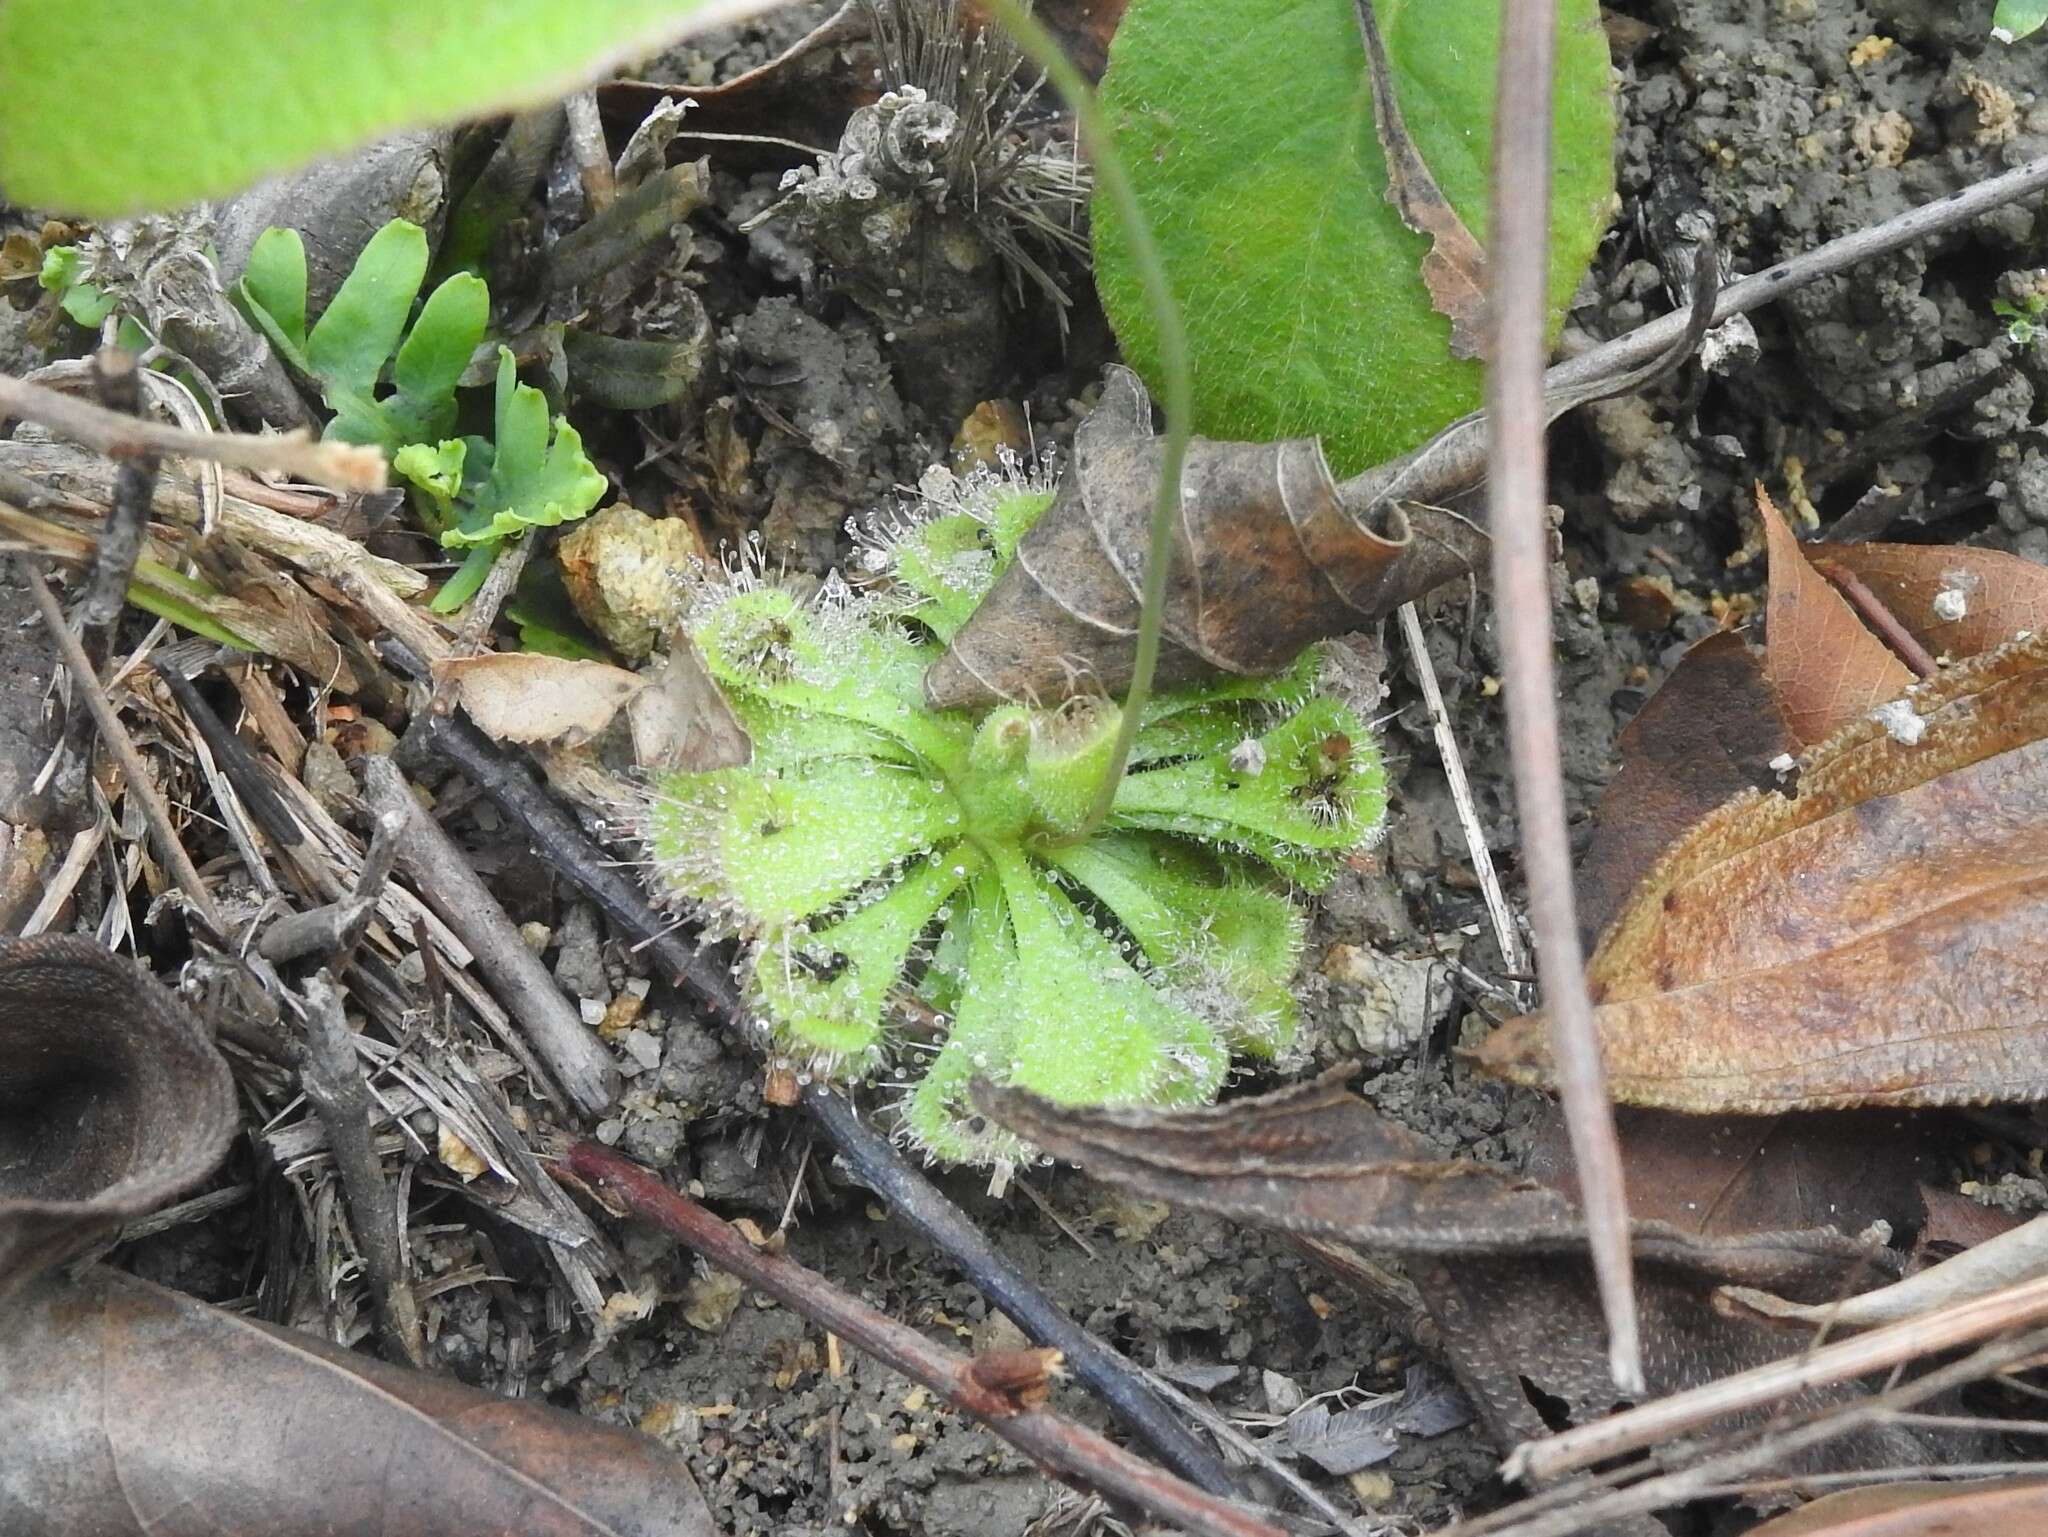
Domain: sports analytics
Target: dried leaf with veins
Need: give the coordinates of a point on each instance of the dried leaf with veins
(1871, 938)
(1823, 662)
(529, 696)
(128, 1409)
(1955, 600)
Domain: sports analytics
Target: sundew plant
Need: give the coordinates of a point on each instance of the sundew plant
(921, 896)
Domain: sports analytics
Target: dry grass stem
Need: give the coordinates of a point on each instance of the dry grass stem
(1516, 500)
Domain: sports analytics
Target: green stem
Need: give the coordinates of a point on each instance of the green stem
(1176, 375)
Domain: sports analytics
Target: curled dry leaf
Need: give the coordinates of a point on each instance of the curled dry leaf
(1871, 938)
(1988, 1508)
(1269, 556)
(112, 1101)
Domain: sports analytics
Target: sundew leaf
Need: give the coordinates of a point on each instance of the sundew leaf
(1124, 1041)
(774, 851)
(110, 107)
(1248, 129)
(1230, 946)
(1320, 783)
(768, 644)
(826, 990)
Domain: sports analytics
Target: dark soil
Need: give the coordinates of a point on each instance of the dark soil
(1886, 403)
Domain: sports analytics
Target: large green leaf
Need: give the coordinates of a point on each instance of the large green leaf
(1247, 126)
(110, 106)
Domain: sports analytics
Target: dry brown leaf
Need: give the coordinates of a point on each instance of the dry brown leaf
(1727, 1176)
(1709, 733)
(681, 720)
(1955, 600)
(1268, 557)
(126, 1410)
(1872, 938)
(1454, 269)
(1823, 663)
(1990, 1508)
(524, 696)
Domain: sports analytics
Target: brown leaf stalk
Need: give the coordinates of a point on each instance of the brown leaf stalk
(983, 1390)
(1521, 576)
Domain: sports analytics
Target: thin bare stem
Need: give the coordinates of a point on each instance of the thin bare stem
(332, 1078)
(1001, 1389)
(345, 466)
(1569, 1509)
(1176, 373)
(1519, 270)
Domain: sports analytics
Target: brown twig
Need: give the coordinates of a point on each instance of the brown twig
(2015, 1307)
(1650, 341)
(992, 1391)
(122, 746)
(1521, 581)
(445, 880)
(345, 466)
(333, 1080)
(1874, 612)
(1568, 1509)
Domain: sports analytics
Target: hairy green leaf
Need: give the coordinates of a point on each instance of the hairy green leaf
(112, 106)
(1248, 127)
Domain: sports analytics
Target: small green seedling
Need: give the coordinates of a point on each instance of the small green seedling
(2026, 321)
(63, 274)
(921, 895)
(474, 492)
(479, 492)
(363, 334)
